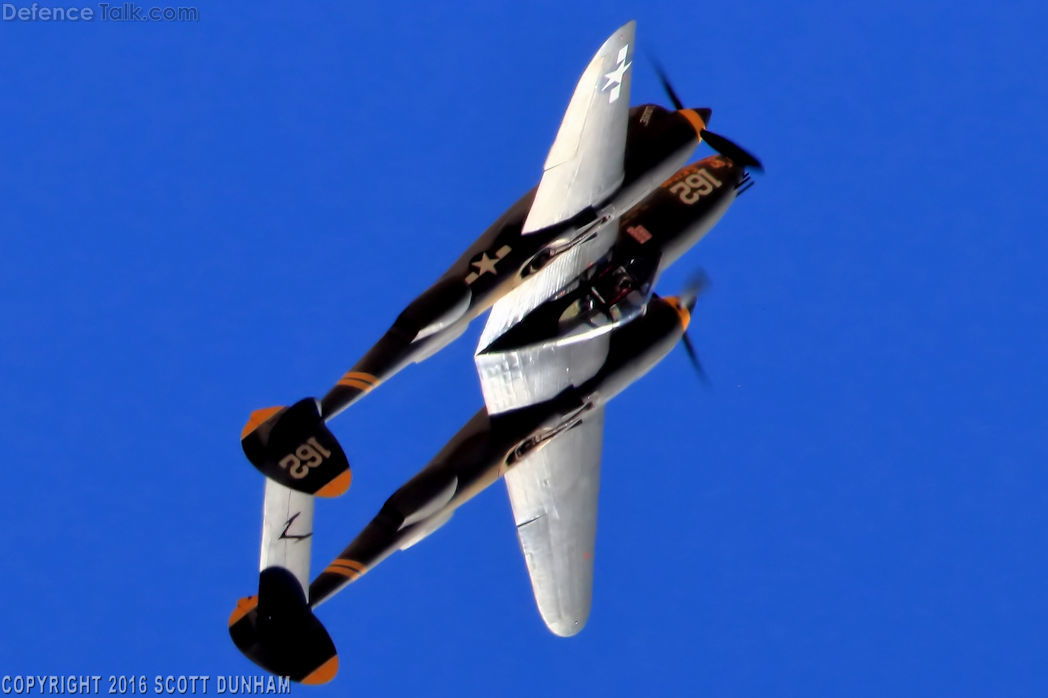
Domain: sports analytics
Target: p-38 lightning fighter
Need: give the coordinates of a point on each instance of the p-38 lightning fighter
(573, 322)
(605, 161)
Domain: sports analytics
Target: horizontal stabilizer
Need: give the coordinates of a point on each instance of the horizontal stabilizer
(294, 447)
(278, 631)
(287, 531)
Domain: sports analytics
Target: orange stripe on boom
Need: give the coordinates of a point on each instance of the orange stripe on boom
(348, 564)
(346, 568)
(361, 376)
(355, 383)
(347, 573)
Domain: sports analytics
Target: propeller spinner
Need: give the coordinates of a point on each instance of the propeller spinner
(718, 142)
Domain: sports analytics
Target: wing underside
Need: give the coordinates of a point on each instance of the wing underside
(585, 165)
(553, 490)
(553, 493)
(583, 169)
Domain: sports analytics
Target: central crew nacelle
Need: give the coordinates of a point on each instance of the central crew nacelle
(653, 235)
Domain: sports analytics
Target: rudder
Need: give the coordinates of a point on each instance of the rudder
(293, 446)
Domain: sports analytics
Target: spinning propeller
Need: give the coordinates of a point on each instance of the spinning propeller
(699, 284)
(719, 143)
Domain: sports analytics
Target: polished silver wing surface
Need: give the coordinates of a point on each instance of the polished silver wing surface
(583, 169)
(553, 493)
(553, 489)
(585, 165)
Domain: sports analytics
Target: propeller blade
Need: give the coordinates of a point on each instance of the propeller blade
(670, 92)
(731, 150)
(718, 142)
(694, 357)
(699, 284)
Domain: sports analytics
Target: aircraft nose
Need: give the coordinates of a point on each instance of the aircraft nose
(681, 305)
(698, 118)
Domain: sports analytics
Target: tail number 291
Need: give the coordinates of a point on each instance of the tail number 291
(308, 455)
(695, 186)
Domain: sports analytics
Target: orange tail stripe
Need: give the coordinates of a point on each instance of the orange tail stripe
(352, 564)
(347, 573)
(355, 383)
(360, 375)
(346, 568)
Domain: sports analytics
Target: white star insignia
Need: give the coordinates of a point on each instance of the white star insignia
(485, 264)
(614, 78)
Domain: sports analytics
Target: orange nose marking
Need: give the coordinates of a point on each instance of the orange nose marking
(682, 312)
(695, 120)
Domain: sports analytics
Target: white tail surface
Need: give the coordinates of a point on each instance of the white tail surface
(287, 531)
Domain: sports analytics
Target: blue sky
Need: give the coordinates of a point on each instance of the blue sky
(203, 219)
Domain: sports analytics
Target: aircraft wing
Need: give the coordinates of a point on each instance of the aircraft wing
(553, 493)
(583, 169)
(584, 166)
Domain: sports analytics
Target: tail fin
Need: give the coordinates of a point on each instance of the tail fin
(294, 447)
(277, 630)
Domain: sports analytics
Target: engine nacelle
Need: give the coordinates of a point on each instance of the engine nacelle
(423, 530)
(658, 143)
(439, 307)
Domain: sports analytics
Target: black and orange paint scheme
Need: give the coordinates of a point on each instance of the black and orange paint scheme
(278, 630)
(498, 261)
(569, 272)
(650, 237)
